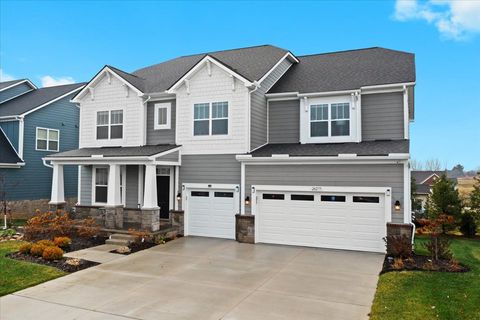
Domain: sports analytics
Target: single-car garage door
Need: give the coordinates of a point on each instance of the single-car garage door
(340, 220)
(210, 212)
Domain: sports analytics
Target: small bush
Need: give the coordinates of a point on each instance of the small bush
(8, 233)
(25, 248)
(46, 243)
(428, 265)
(468, 226)
(62, 242)
(88, 229)
(37, 250)
(398, 246)
(52, 253)
(140, 235)
(454, 265)
(438, 247)
(49, 225)
(398, 264)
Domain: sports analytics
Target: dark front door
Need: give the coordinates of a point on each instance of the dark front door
(163, 195)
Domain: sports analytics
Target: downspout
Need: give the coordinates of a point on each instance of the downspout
(45, 163)
(21, 134)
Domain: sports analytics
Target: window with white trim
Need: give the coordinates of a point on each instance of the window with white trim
(47, 139)
(330, 120)
(110, 124)
(101, 185)
(162, 116)
(210, 119)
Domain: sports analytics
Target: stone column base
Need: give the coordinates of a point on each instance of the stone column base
(177, 219)
(245, 228)
(151, 219)
(114, 217)
(400, 229)
(56, 206)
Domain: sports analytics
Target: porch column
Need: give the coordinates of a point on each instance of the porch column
(150, 190)
(113, 191)
(57, 197)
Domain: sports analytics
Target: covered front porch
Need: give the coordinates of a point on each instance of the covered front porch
(121, 187)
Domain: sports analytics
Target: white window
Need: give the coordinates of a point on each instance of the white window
(101, 185)
(162, 117)
(47, 139)
(109, 124)
(330, 120)
(319, 120)
(210, 119)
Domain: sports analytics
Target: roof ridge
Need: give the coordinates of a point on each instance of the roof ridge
(234, 49)
(350, 50)
(131, 74)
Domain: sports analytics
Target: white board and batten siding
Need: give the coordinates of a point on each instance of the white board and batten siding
(112, 96)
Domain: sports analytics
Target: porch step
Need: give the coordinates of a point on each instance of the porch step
(120, 239)
(117, 242)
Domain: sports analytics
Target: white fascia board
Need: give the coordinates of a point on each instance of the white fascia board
(19, 83)
(433, 174)
(92, 83)
(199, 65)
(12, 165)
(390, 85)
(327, 159)
(288, 55)
(50, 102)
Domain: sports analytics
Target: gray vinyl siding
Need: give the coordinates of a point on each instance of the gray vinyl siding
(382, 116)
(258, 106)
(164, 136)
(360, 175)
(11, 129)
(411, 103)
(131, 192)
(210, 169)
(14, 92)
(284, 121)
(86, 185)
(169, 157)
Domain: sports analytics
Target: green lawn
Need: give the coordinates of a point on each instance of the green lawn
(16, 275)
(432, 295)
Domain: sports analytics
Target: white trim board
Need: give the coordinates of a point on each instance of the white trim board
(19, 83)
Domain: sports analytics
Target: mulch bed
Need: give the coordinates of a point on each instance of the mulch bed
(59, 264)
(83, 243)
(422, 263)
(135, 247)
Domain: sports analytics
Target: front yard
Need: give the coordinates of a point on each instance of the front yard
(432, 295)
(16, 275)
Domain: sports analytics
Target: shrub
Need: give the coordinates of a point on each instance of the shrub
(140, 235)
(48, 225)
(8, 233)
(25, 248)
(88, 229)
(37, 250)
(46, 243)
(398, 264)
(398, 246)
(438, 247)
(62, 242)
(468, 226)
(52, 253)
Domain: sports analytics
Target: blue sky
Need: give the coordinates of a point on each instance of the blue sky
(55, 42)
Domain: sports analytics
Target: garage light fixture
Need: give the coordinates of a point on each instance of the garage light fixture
(247, 201)
(179, 196)
(397, 205)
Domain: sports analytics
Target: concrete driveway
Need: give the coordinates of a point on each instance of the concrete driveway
(205, 278)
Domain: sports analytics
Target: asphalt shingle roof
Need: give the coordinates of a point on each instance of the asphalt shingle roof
(35, 98)
(116, 151)
(367, 148)
(346, 70)
(6, 84)
(7, 153)
(422, 175)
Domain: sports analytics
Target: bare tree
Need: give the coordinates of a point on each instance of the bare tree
(416, 164)
(433, 165)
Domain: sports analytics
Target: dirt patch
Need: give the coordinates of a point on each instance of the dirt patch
(68, 265)
(421, 263)
(139, 246)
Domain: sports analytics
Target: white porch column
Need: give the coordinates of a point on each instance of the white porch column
(113, 193)
(150, 190)
(176, 180)
(57, 196)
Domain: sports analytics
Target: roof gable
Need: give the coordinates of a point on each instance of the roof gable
(10, 84)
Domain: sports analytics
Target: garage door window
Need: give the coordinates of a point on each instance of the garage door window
(332, 198)
(273, 196)
(301, 197)
(200, 194)
(223, 194)
(366, 199)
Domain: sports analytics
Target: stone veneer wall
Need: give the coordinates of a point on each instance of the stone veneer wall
(24, 209)
(245, 228)
(400, 229)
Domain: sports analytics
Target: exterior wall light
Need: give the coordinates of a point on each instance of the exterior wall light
(247, 201)
(179, 196)
(397, 205)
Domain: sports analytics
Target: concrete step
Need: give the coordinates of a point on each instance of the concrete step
(117, 242)
(122, 236)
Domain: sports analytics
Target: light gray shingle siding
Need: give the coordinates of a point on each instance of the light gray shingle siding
(86, 185)
(359, 175)
(164, 136)
(131, 184)
(259, 105)
(15, 91)
(284, 121)
(382, 116)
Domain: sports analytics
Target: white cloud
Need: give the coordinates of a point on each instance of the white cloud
(49, 81)
(5, 76)
(454, 19)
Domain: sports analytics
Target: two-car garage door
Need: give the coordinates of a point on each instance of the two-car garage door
(340, 220)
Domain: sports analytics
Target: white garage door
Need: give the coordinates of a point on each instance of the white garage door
(211, 212)
(340, 220)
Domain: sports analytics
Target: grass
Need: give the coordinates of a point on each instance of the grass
(432, 295)
(16, 275)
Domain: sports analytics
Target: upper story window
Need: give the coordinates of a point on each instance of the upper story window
(162, 116)
(330, 120)
(210, 118)
(110, 124)
(47, 139)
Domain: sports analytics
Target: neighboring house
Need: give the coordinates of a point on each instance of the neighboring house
(424, 180)
(35, 122)
(254, 143)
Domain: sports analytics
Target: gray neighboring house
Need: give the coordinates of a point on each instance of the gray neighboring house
(254, 144)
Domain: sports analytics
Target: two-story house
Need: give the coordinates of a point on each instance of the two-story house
(253, 143)
(35, 122)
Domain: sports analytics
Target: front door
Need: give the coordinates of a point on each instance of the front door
(163, 195)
